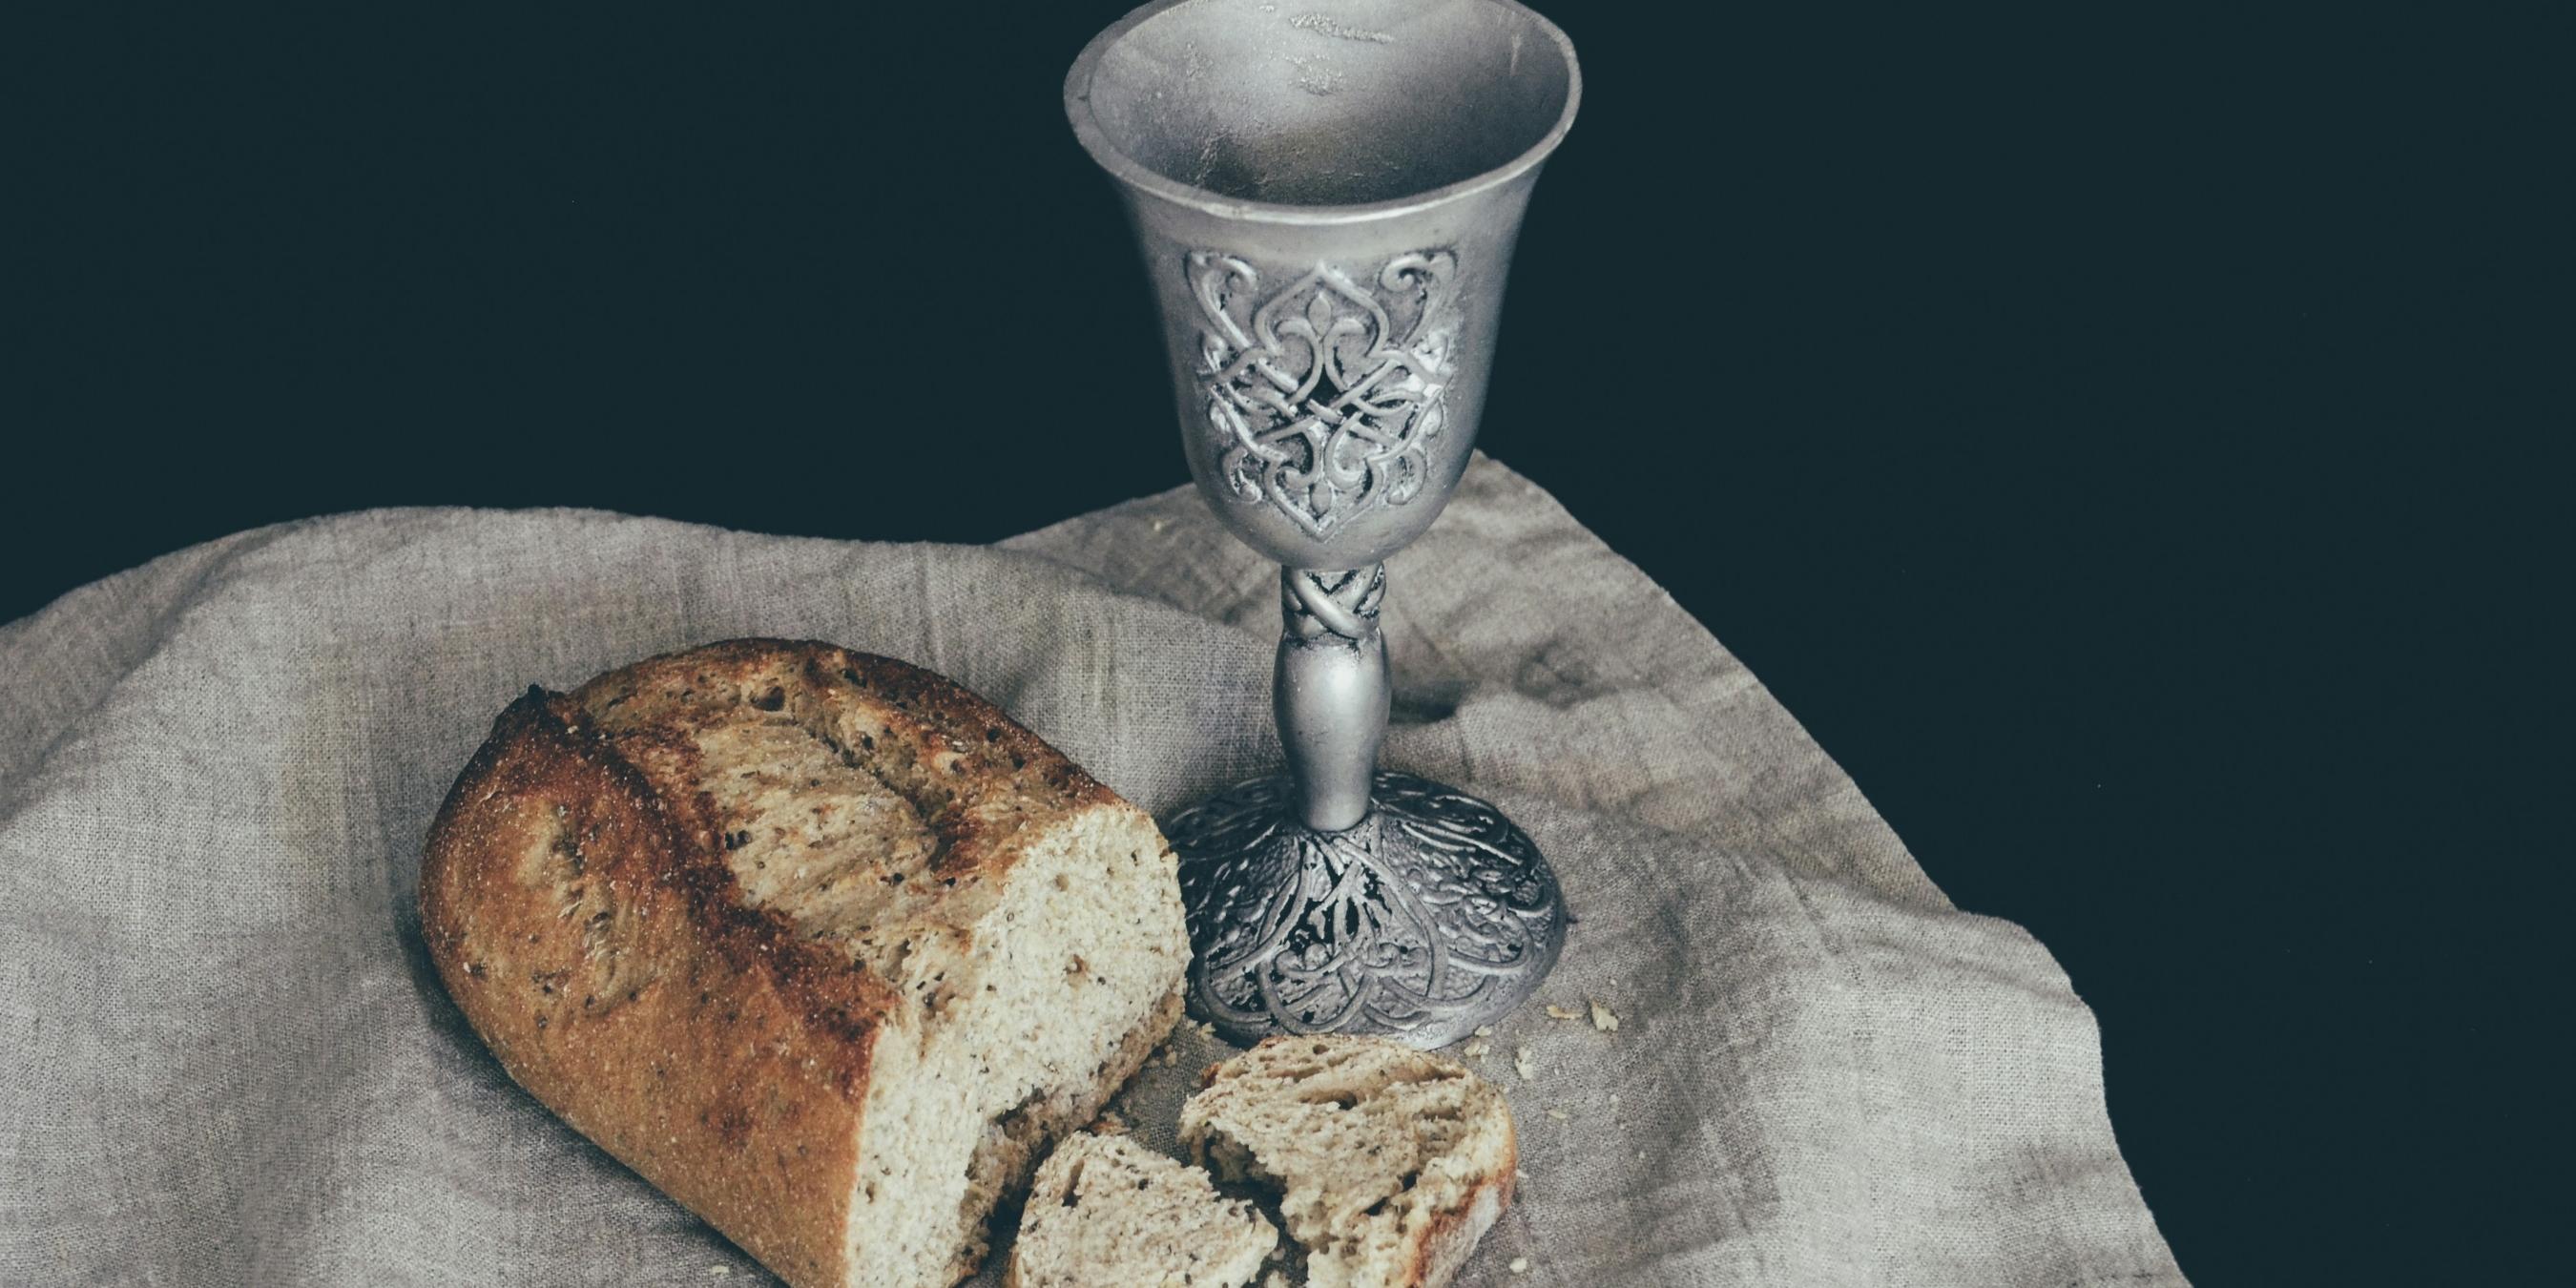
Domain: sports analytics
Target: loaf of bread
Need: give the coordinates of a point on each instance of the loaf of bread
(1106, 1212)
(1390, 1162)
(819, 943)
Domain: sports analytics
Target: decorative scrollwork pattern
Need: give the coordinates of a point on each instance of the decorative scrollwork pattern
(1326, 394)
(1432, 916)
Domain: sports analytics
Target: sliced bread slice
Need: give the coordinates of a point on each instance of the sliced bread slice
(1106, 1212)
(1391, 1163)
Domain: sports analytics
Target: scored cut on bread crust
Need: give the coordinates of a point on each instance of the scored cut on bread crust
(823, 945)
(1390, 1163)
(1106, 1212)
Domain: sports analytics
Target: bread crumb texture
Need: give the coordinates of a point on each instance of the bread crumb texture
(1389, 1163)
(1106, 1212)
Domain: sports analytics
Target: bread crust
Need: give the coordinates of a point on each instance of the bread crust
(576, 900)
(1454, 1231)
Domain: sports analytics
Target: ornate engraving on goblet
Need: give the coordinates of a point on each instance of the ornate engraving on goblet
(1327, 196)
(1326, 405)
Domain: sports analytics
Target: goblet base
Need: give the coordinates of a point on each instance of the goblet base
(1432, 915)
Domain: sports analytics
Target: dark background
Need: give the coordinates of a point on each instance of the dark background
(2097, 427)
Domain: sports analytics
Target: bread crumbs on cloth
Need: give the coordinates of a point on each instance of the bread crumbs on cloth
(1603, 1020)
(1522, 1064)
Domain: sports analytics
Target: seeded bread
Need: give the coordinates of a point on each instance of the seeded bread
(1390, 1163)
(821, 944)
(1106, 1212)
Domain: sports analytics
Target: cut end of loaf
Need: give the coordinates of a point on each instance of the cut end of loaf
(1056, 999)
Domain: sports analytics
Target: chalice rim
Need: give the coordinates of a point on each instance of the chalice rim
(1142, 178)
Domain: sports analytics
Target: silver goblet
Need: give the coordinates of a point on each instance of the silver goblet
(1326, 193)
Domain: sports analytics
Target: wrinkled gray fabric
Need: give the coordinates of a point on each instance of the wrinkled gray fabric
(225, 1060)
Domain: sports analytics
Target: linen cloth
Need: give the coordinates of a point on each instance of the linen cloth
(225, 1059)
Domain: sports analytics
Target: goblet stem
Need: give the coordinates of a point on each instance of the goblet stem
(1329, 689)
